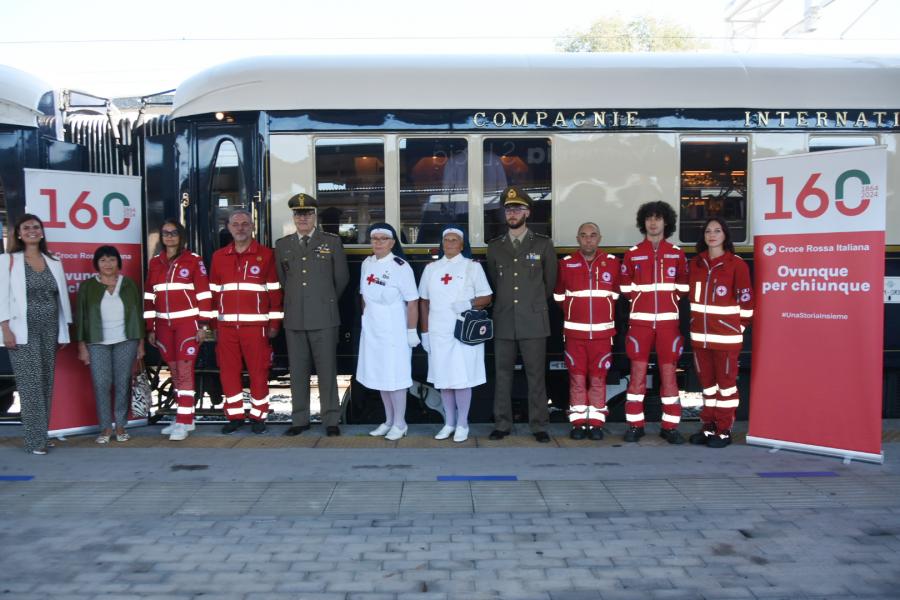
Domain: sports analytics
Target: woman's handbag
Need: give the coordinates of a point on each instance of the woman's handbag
(473, 327)
(140, 393)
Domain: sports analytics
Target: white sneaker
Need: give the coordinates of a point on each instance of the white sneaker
(168, 429)
(380, 430)
(179, 432)
(461, 435)
(445, 432)
(396, 433)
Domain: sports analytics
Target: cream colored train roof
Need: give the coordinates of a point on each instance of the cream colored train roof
(579, 80)
(20, 94)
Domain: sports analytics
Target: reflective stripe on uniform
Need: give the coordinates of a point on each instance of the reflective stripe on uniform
(243, 286)
(669, 399)
(149, 314)
(717, 339)
(710, 402)
(671, 418)
(746, 314)
(590, 294)
(159, 287)
(728, 403)
(711, 390)
(715, 310)
(666, 316)
(191, 312)
(276, 315)
(235, 411)
(634, 397)
(587, 326)
(559, 297)
(273, 286)
(208, 314)
(244, 317)
(635, 418)
(204, 295)
(149, 296)
(728, 391)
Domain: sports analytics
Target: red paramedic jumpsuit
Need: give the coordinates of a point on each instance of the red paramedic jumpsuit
(247, 296)
(721, 297)
(587, 293)
(654, 281)
(177, 301)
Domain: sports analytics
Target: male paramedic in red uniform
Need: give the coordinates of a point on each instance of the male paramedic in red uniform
(247, 295)
(587, 286)
(654, 277)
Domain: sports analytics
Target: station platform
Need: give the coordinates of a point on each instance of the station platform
(353, 517)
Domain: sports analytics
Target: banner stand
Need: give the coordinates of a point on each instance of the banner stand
(58, 433)
(847, 455)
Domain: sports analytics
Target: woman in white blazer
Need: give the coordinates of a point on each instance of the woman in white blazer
(34, 320)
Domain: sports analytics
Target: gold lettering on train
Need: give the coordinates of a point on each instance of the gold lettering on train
(630, 117)
(578, 119)
(560, 120)
(499, 119)
(821, 119)
(861, 120)
(840, 119)
(801, 118)
(599, 119)
(541, 116)
(879, 118)
(478, 119)
(782, 115)
(520, 121)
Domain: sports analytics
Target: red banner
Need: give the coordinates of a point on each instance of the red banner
(82, 211)
(818, 328)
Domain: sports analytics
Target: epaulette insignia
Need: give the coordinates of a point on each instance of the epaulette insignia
(675, 247)
(567, 257)
(399, 260)
(633, 248)
(612, 256)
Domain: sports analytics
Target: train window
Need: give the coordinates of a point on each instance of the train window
(820, 143)
(228, 191)
(350, 185)
(4, 218)
(713, 184)
(434, 187)
(524, 162)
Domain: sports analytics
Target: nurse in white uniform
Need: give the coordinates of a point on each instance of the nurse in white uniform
(451, 285)
(390, 312)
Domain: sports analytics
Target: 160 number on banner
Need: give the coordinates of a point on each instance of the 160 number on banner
(84, 215)
(818, 197)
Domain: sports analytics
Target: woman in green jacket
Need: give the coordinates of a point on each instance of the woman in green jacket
(110, 332)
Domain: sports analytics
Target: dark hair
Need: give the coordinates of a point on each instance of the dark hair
(15, 242)
(657, 209)
(398, 247)
(104, 251)
(182, 235)
(727, 245)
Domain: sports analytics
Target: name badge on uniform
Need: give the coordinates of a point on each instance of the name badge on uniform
(532, 256)
(323, 250)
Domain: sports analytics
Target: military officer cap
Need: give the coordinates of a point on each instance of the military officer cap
(303, 202)
(514, 195)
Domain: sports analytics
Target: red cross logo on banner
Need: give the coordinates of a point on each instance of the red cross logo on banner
(370, 279)
(446, 278)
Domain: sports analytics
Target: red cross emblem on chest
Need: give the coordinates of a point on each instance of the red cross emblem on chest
(371, 279)
(447, 278)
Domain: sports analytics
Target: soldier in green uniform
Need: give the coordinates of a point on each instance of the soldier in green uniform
(522, 267)
(312, 268)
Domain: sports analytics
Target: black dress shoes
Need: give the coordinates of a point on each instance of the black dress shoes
(332, 431)
(671, 435)
(296, 430)
(577, 433)
(634, 434)
(232, 426)
(259, 427)
(542, 437)
(498, 434)
(596, 433)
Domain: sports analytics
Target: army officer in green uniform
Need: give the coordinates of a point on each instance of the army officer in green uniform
(313, 272)
(522, 267)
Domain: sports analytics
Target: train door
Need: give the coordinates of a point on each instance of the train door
(226, 173)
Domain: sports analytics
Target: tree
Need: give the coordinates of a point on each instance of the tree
(640, 34)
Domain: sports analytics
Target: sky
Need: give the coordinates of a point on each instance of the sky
(116, 48)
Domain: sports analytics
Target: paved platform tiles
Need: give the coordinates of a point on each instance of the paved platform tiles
(269, 517)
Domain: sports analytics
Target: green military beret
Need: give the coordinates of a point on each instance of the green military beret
(514, 195)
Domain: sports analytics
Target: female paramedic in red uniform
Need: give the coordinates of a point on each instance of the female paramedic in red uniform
(177, 306)
(721, 307)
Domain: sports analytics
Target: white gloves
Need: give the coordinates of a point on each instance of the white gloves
(461, 306)
(426, 344)
(412, 338)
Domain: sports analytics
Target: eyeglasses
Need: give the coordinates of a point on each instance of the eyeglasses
(169, 233)
(514, 209)
(381, 239)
